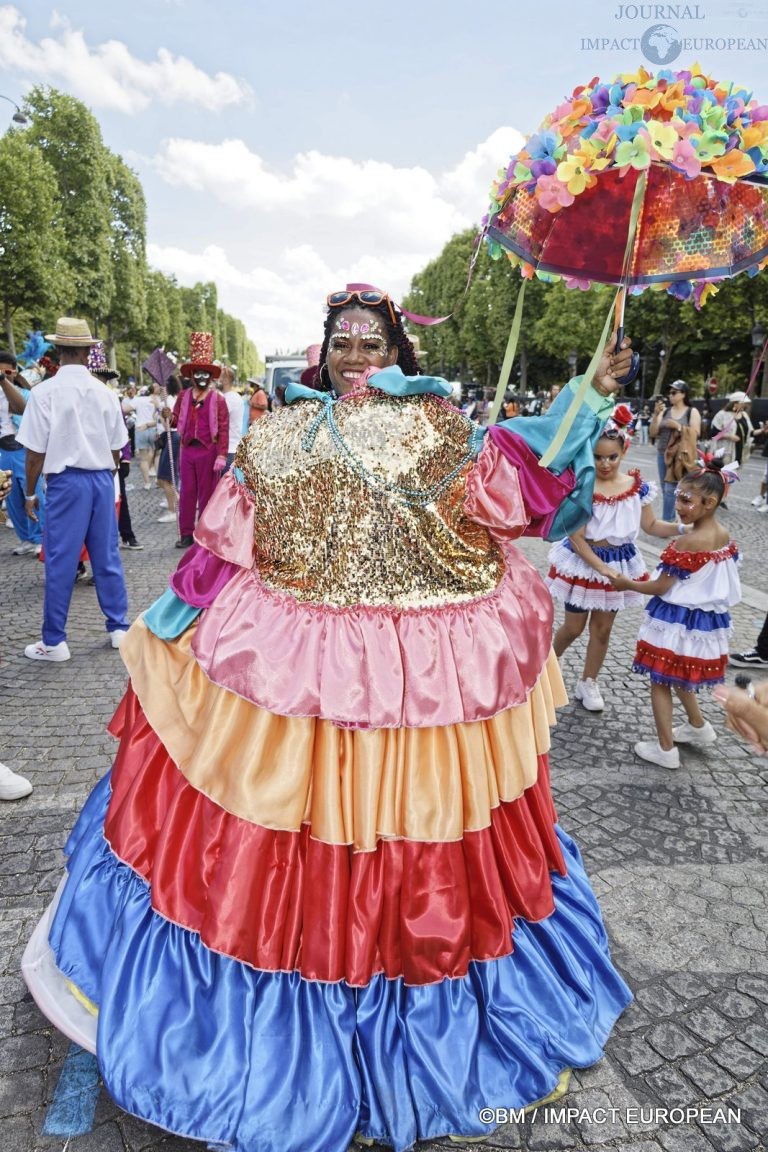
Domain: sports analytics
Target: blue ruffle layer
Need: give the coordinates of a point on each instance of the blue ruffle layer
(205, 1046)
(693, 619)
(610, 553)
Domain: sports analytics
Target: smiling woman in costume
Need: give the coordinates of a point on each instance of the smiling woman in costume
(326, 864)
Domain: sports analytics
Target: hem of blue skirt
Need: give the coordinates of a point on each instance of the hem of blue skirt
(379, 1059)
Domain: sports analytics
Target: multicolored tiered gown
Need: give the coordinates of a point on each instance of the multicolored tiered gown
(323, 891)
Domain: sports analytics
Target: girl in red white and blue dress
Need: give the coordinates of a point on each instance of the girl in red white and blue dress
(683, 640)
(583, 564)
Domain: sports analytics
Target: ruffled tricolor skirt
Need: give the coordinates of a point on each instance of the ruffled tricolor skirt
(681, 646)
(571, 580)
(278, 931)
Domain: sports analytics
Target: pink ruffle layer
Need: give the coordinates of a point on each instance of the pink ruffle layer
(379, 667)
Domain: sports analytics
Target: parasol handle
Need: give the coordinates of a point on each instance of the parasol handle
(631, 375)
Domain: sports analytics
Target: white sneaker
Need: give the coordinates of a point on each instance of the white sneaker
(54, 652)
(652, 751)
(763, 508)
(685, 733)
(116, 637)
(167, 518)
(26, 549)
(758, 500)
(13, 786)
(589, 693)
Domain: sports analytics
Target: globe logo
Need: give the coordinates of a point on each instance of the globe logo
(661, 44)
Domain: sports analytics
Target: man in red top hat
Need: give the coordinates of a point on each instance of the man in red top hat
(202, 419)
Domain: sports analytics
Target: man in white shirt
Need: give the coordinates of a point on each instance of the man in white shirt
(236, 409)
(73, 430)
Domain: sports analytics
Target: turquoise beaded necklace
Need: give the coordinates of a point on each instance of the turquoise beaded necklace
(415, 497)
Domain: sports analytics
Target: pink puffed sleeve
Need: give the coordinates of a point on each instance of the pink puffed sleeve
(494, 498)
(226, 526)
(538, 489)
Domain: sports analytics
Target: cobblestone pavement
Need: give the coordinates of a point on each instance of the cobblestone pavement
(678, 861)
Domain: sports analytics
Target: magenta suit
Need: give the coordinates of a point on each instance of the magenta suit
(204, 428)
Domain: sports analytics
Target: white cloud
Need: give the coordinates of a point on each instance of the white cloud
(406, 202)
(367, 221)
(108, 75)
(282, 306)
(471, 178)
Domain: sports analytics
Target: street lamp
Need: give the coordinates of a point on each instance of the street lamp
(18, 116)
(573, 360)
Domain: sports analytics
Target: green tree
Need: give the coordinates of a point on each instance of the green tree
(157, 328)
(70, 139)
(126, 316)
(31, 239)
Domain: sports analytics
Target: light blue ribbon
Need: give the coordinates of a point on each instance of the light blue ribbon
(390, 380)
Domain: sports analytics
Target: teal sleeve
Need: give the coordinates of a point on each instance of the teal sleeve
(169, 616)
(577, 452)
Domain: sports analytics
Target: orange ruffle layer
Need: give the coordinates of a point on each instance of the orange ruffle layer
(284, 901)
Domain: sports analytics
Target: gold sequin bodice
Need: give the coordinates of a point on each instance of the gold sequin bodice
(331, 525)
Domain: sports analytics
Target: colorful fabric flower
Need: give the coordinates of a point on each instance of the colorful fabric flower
(574, 174)
(633, 152)
(685, 158)
(552, 194)
(732, 166)
(710, 145)
(663, 139)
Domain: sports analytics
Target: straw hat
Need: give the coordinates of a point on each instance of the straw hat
(71, 333)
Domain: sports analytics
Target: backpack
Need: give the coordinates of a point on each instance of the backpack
(680, 456)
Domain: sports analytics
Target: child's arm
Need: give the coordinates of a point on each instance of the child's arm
(583, 549)
(655, 587)
(654, 527)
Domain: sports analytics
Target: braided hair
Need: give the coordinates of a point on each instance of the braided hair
(406, 356)
(709, 480)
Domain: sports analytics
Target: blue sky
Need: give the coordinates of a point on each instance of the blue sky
(288, 147)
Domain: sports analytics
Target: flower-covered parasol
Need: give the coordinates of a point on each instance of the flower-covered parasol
(649, 181)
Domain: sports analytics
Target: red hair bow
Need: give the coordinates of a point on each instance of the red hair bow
(622, 416)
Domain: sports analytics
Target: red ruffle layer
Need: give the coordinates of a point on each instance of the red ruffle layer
(582, 582)
(662, 662)
(284, 901)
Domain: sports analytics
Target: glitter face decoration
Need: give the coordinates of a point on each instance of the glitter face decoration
(369, 331)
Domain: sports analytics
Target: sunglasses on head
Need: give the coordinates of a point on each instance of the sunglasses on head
(367, 296)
